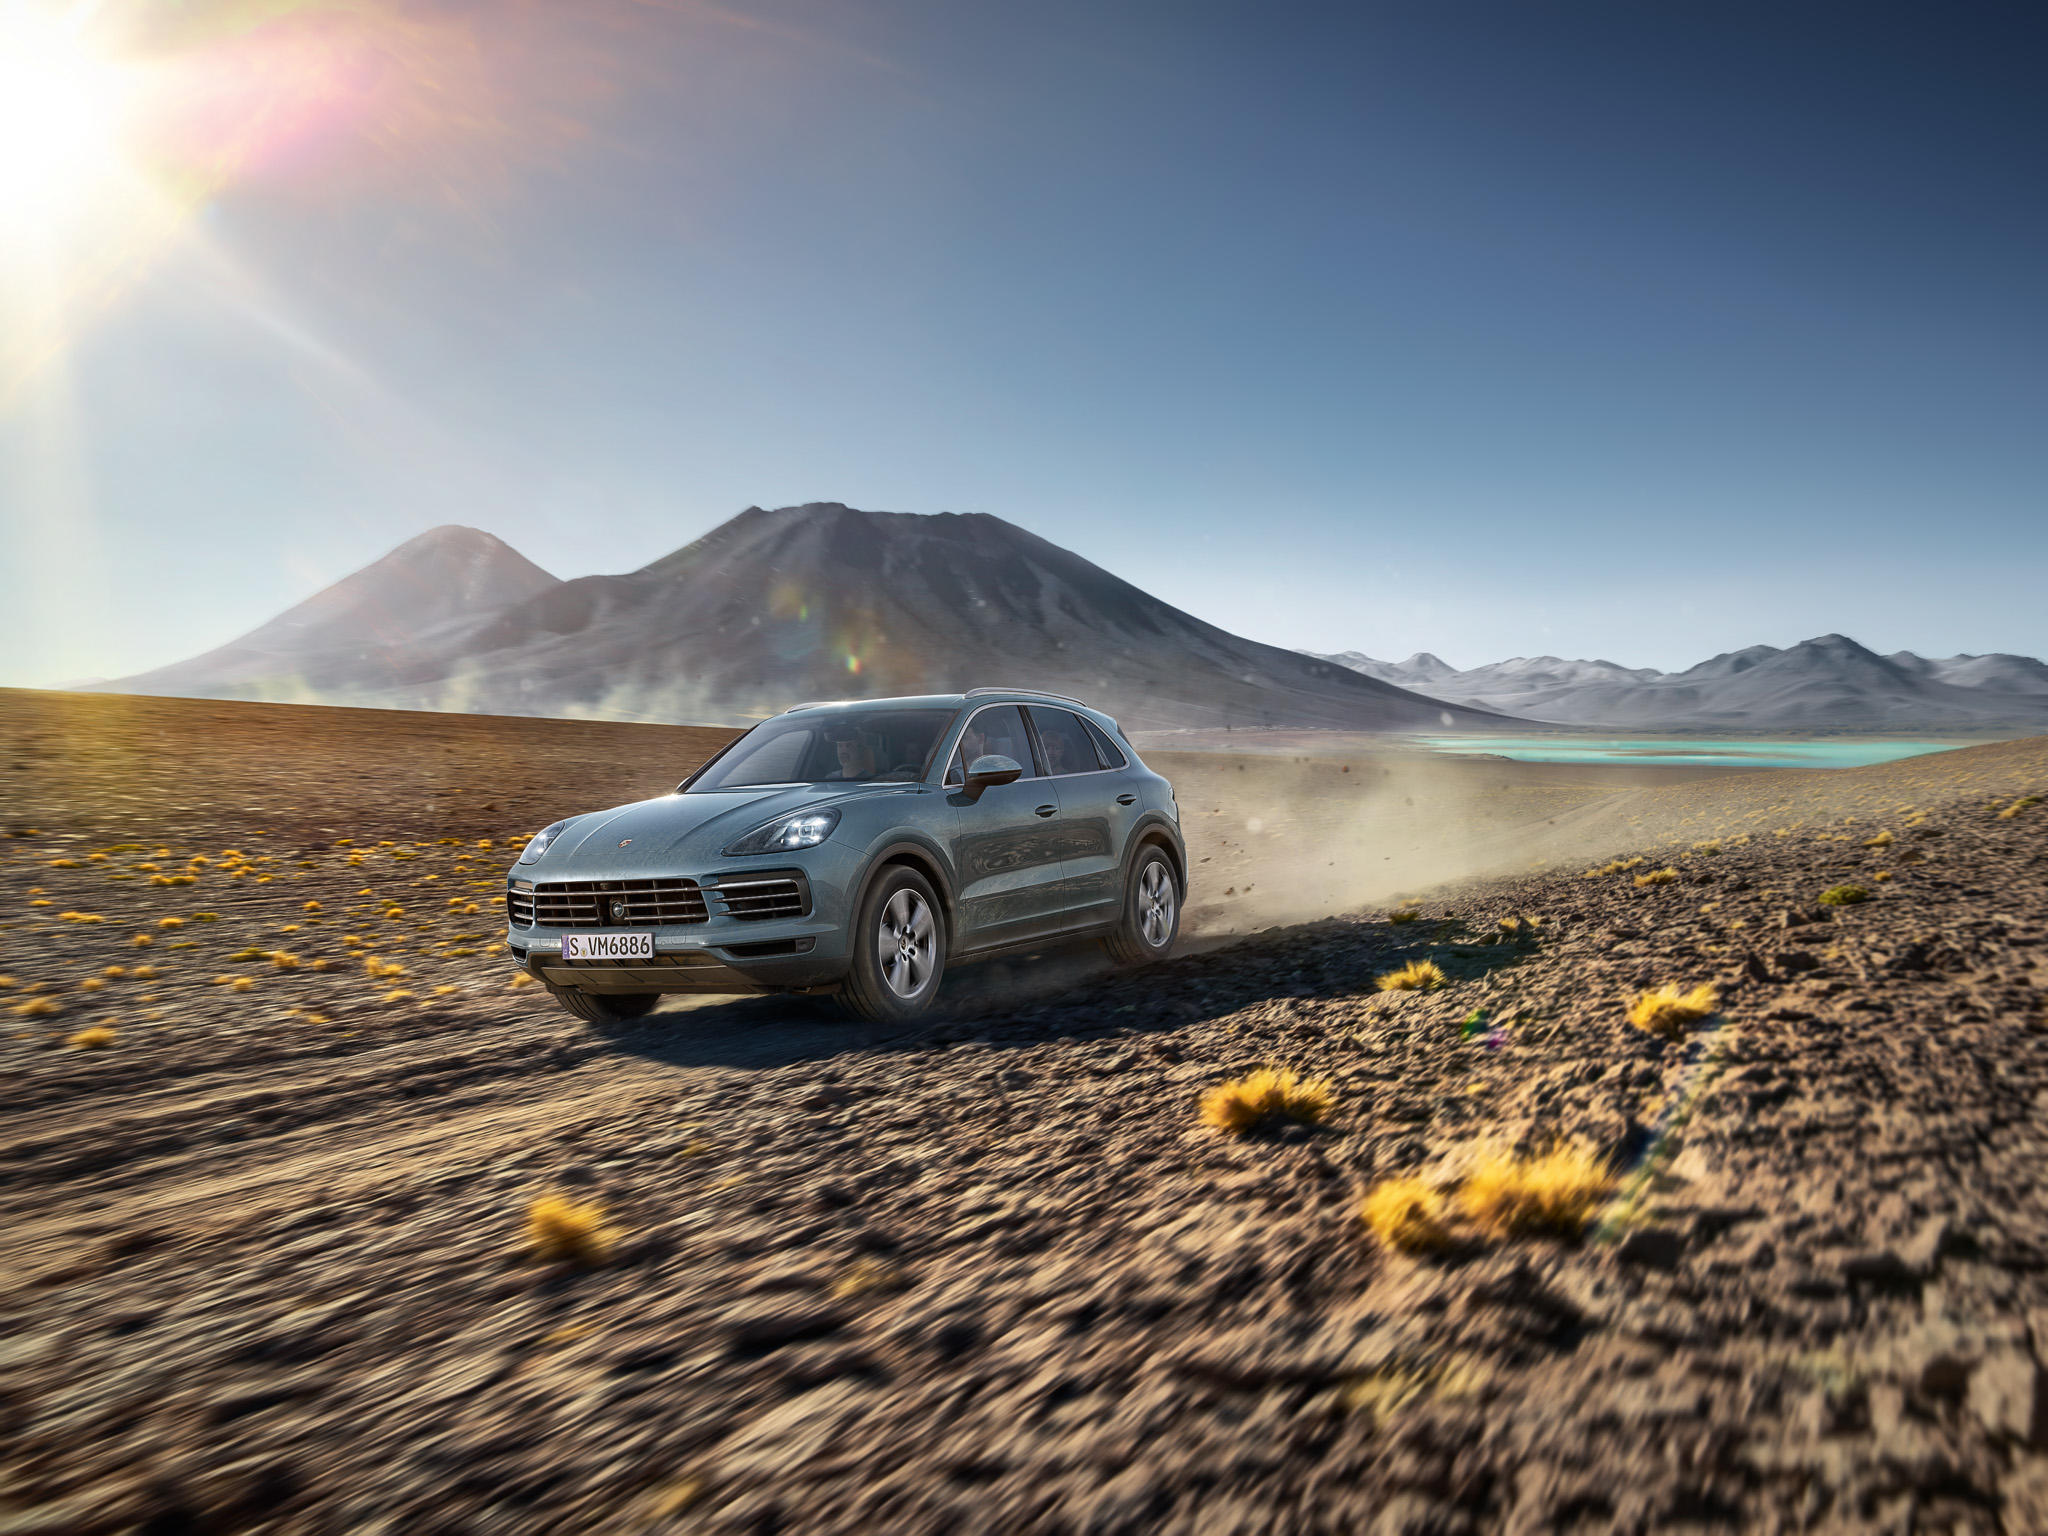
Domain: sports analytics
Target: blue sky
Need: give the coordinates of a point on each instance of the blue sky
(1635, 331)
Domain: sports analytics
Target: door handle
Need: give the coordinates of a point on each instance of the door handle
(1047, 810)
(1126, 799)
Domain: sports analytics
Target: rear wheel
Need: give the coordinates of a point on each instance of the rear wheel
(899, 949)
(605, 1007)
(1151, 917)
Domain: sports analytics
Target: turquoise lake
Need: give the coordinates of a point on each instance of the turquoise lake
(1848, 752)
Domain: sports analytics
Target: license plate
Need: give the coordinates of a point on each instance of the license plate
(607, 946)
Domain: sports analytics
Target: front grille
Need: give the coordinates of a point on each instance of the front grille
(756, 898)
(588, 903)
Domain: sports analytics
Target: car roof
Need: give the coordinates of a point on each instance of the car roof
(948, 700)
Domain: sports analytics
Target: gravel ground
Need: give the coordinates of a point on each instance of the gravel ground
(267, 1258)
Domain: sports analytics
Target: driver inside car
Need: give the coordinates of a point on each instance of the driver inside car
(856, 757)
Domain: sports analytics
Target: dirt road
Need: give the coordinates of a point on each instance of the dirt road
(268, 1270)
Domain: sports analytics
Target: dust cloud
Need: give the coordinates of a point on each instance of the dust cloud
(1278, 839)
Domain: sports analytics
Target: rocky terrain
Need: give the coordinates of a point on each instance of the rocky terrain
(1828, 683)
(817, 601)
(267, 1243)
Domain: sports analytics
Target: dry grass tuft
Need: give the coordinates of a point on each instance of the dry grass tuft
(2017, 806)
(1557, 1192)
(1245, 1103)
(1618, 867)
(521, 979)
(1843, 895)
(1415, 976)
(98, 1038)
(561, 1229)
(1667, 1011)
(37, 1008)
(1656, 877)
(1405, 915)
(1408, 1214)
(869, 1276)
(1883, 839)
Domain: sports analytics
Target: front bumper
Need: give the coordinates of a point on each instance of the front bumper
(721, 953)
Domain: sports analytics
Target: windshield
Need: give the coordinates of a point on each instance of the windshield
(840, 746)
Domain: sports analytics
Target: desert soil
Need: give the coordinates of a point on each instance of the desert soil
(265, 1253)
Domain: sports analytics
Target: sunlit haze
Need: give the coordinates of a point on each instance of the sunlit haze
(1595, 330)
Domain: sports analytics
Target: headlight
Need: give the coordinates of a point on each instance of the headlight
(806, 829)
(540, 842)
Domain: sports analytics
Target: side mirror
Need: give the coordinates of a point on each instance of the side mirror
(991, 769)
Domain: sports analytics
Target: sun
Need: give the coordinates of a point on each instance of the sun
(61, 112)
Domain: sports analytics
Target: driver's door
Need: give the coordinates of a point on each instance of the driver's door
(1007, 847)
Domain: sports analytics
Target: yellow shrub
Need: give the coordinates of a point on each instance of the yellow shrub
(1883, 839)
(1843, 895)
(284, 960)
(1667, 1011)
(1244, 1103)
(98, 1038)
(2017, 806)
(1415, 976)
(559, 1228)
(170, 922)
(1656, 877)
(868, 1276)
(37, 1008)
(1557, 1191)
(1405, 915)
(1407, 1214)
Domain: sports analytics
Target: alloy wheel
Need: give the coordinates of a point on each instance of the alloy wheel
(907, 943)
(1155, 904)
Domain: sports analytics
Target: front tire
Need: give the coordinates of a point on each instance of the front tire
(1151, 917)
(899, 950)
(605, 1007)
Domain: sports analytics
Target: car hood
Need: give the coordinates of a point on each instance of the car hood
(652, 832)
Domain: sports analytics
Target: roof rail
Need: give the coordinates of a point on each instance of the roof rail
(1036, 693)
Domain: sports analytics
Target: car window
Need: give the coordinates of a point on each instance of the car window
(1067, 747)
(842, 746)
(1105, 746)
(998, 729)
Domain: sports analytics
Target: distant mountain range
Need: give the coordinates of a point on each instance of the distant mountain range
(776, 607)
(1828, 683)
